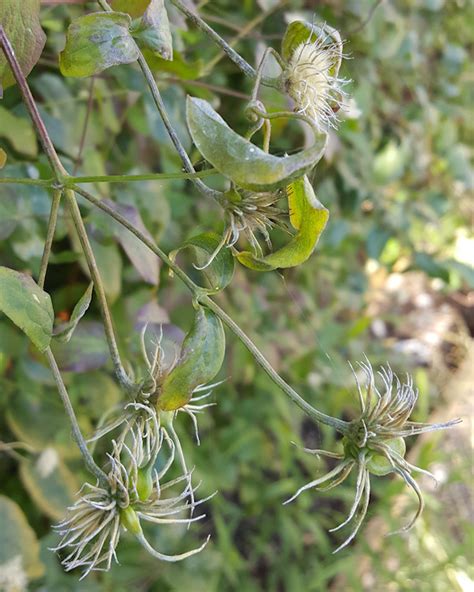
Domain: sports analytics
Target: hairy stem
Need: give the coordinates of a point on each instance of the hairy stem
(76, 430)
(53, 219)
(201, 295)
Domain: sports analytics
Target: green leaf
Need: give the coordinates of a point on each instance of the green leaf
(240, 160)
(220, 270)
(22, 27)
(308, 216)
(19, 132)
(3, 158)
(96, 42)
(49, 482)
(27, 305)
(153, 30)
(19, 547)
(65, 331)
(200, 360)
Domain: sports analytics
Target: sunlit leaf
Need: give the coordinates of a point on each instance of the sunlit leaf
(3, 158)
(27, 305)
(96, 42)
(308, 216)
(49, 482)
(19, 547)
(65, 331)
(218, 268)
(240, 160)
(200, 360)
(22, 27)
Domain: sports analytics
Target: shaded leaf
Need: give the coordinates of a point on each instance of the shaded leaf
(22, 27)
(96, 42)
(240, 160)
(65, 331)
(200, 360)
(220, 271)
(145, 261)
(36, 416)
(109, 261)
(19, 132)
(49, 482)
(19, 547)
(308, 216)
(153, 31)
(27, 305)
(87, 351)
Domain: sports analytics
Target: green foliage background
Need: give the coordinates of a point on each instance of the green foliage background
(396, 183)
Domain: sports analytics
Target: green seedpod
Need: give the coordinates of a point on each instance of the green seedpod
(130, 521)
(200, 360)
(380, 465)
(145, 482)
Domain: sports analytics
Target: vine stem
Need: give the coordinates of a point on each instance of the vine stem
(71, 180)
(238, 60)
(60, 175)
(158, 100)
(202, 296)
(76, 430)
(53, 219)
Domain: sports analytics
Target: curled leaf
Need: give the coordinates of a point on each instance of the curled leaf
(27, 305)
(308, 216)
(241, 161)
(96, 42)
(201, 358)
(21, 23)
(213, 259)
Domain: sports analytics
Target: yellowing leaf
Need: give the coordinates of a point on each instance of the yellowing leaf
(241, 161)
(308, 216)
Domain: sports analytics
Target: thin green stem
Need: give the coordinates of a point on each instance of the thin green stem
(201, 295)
(34, 182)
(53, 219)
(122, 376)
(242, 64)
(76, 430)
(71, 180)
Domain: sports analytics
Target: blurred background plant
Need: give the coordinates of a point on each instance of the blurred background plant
(391, 277)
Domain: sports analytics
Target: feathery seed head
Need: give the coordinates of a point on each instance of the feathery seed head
(374, 443)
